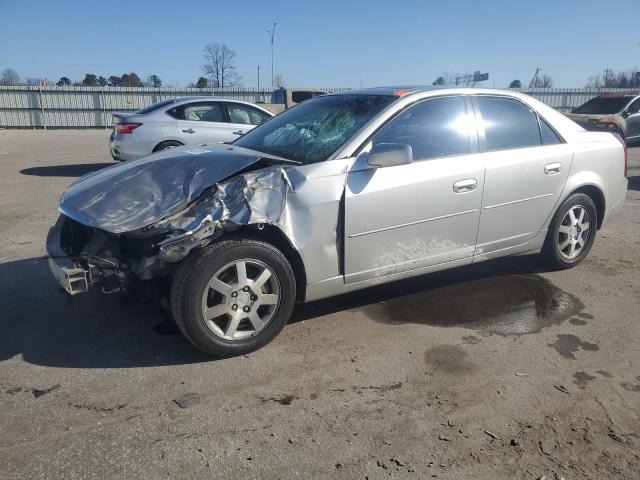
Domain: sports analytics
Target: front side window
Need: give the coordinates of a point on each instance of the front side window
(634, 107)
(198, 112)
(508, 123)
(246, 115)
(434, 128)
(314, 130)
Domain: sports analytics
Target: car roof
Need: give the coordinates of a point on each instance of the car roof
(619, 95)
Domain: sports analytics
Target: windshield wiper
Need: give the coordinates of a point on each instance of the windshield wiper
(268, 157)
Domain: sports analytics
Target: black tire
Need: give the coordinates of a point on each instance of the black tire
(551, 251)
(192, 277)
(166, 145)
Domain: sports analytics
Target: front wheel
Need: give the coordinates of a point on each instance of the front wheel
(571, 232)
(233, 296)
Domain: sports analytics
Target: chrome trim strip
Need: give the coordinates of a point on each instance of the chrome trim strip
(412, 223)
(517, 201)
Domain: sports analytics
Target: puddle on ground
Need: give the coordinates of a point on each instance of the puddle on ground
(502, 305)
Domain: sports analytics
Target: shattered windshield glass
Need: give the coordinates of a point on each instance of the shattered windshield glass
(315, 129)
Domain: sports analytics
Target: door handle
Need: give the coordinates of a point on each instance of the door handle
(189, 130)
(462, 186)
(552, 168)
(238, 132)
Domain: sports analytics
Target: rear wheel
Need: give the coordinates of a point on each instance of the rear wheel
(233, 296)
(571, 232)
(166, 145)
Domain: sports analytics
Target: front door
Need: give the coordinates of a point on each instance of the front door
(423, 214)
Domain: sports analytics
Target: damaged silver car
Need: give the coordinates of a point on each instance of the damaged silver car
(341, 192)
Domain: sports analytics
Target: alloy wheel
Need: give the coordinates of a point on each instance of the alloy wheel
(240, 299)
(574, 232)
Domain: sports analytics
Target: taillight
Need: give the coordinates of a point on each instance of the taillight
(624, 145)
(126, 127)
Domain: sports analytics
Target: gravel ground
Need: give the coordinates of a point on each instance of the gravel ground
(496, 371)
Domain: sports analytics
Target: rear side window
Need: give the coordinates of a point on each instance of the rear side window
(434, 128)
(549, 136)
(246, 115)
(508, 123)
(199, 112)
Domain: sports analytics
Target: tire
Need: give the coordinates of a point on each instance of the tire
(166, 145)
(562, 250)
(259, 303)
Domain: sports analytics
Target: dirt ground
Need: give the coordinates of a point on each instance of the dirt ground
(499, 370)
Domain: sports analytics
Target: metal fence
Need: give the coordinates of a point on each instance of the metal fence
(91, 107)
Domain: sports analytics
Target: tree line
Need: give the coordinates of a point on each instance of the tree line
(219, 71)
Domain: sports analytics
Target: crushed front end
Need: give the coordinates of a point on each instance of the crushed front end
(81, 257)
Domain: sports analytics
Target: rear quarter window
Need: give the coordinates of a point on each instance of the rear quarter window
(548, 134)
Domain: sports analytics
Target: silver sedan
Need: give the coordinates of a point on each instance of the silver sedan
(181, 121)
(340, 193)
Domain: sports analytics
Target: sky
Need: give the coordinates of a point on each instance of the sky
(323, 44)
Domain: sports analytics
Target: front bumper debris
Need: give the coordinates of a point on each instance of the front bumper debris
(72, 279)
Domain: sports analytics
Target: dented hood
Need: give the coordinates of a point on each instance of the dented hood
(135, 194)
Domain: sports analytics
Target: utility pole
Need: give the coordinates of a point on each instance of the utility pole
(258, 77)
(272, 34)
(534, 80)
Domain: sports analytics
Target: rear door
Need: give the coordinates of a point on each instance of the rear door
(243, 118)
(527, 164)
(201, 122)
(422, 214)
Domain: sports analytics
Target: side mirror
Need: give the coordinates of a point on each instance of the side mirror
(390, 154)
(625, 114)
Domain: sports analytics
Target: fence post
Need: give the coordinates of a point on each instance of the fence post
(44, 122)
(104, 108)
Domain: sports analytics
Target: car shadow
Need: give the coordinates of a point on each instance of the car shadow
(73, 170)
(91, 330)
(94, 330)
(446, 285)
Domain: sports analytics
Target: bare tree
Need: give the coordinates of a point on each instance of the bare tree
(33, 81)
(10, 77)
(542, 81)
(220, 65)
(595, 81)
(278, 81)
(608, 78)
(611, 79)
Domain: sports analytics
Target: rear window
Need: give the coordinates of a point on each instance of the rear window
(156, 106)
(602, 106)
(301, 96)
